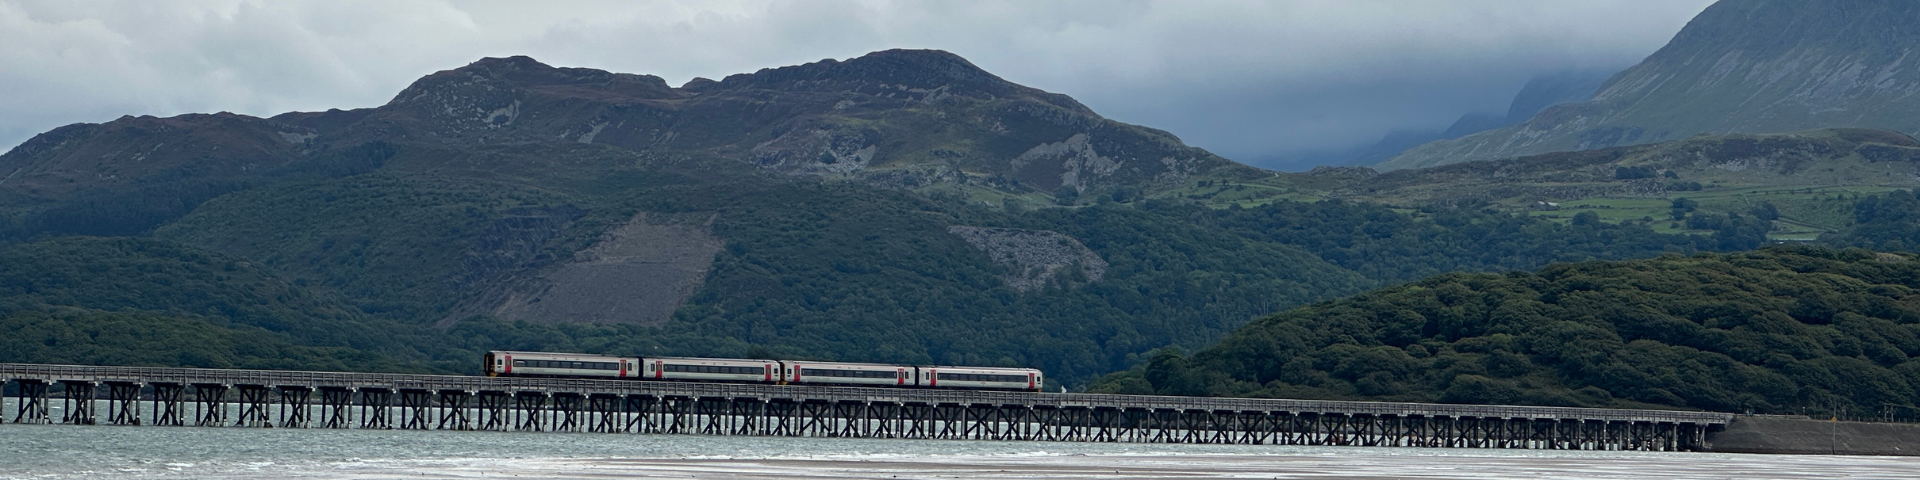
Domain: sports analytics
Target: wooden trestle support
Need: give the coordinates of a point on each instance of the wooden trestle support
(627, 407)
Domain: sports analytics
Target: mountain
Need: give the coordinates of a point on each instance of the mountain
(1540, 92)
(900, 117)
(831, 210)
(899, 207)
(1783, 330)
(1741, 66)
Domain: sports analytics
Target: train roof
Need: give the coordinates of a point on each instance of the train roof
(851, 364)
(965, 367)
(567, 354)
(711, 359)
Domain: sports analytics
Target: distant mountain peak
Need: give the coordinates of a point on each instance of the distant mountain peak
(921, 72)
(1741, 66)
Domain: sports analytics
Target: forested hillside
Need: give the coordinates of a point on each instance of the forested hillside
(130, 301)
(1787, 329)
(855, 213)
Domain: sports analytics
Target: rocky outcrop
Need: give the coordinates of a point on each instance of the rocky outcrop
(1035, 258)
(1741, 66)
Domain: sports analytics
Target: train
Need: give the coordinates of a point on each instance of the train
(501, 363)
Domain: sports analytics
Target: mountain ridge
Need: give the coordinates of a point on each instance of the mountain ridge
(1741, 66)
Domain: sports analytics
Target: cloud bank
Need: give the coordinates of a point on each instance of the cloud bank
(1246, 79)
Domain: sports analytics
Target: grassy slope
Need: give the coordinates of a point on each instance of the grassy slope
(1810, 177)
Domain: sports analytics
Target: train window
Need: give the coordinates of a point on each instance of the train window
(520, 363)
(819, 372)
(719, 369)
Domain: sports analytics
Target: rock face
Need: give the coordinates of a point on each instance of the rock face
(1741, 66)
(637, 273)
(1035, 258)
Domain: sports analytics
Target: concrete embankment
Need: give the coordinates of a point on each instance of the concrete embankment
(1799, 435)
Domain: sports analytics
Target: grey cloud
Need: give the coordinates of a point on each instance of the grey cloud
(1247, 79)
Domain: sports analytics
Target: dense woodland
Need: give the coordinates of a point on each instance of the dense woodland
(1789, 329)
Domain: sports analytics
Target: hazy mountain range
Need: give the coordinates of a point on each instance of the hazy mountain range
(1749, 66)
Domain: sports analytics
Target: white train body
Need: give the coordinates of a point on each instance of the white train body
(710, 369)
(731, 370)
(572, 365)
(840, 373)
(981, 378)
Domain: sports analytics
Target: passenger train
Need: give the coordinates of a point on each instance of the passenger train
(780, 372)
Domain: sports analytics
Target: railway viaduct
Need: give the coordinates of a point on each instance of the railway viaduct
(90, 395)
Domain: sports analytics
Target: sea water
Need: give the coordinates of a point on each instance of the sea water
(67, 451)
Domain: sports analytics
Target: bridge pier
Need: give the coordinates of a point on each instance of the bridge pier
(376, 406)
(496, 410)
(566, 411)
(752, 412)
(603, 413)
(76, 400)
(31, 406)
(529, 409)
(209, 404)
(640, 413)
(295, 406)
(169, 408)
(336, 407)
(414, 408)
(123, 403)
(453, 410)
(256, 406)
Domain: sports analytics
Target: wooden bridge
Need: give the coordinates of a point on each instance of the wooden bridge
(91, 395)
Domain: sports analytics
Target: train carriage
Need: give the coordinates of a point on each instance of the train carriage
(539, 364)
(982, 378)
(692, 369)
(710, 369)
(842, 373)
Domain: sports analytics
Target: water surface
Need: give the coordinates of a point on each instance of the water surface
(62, 451)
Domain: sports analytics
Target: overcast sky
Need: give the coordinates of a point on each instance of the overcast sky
(1246, 79)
